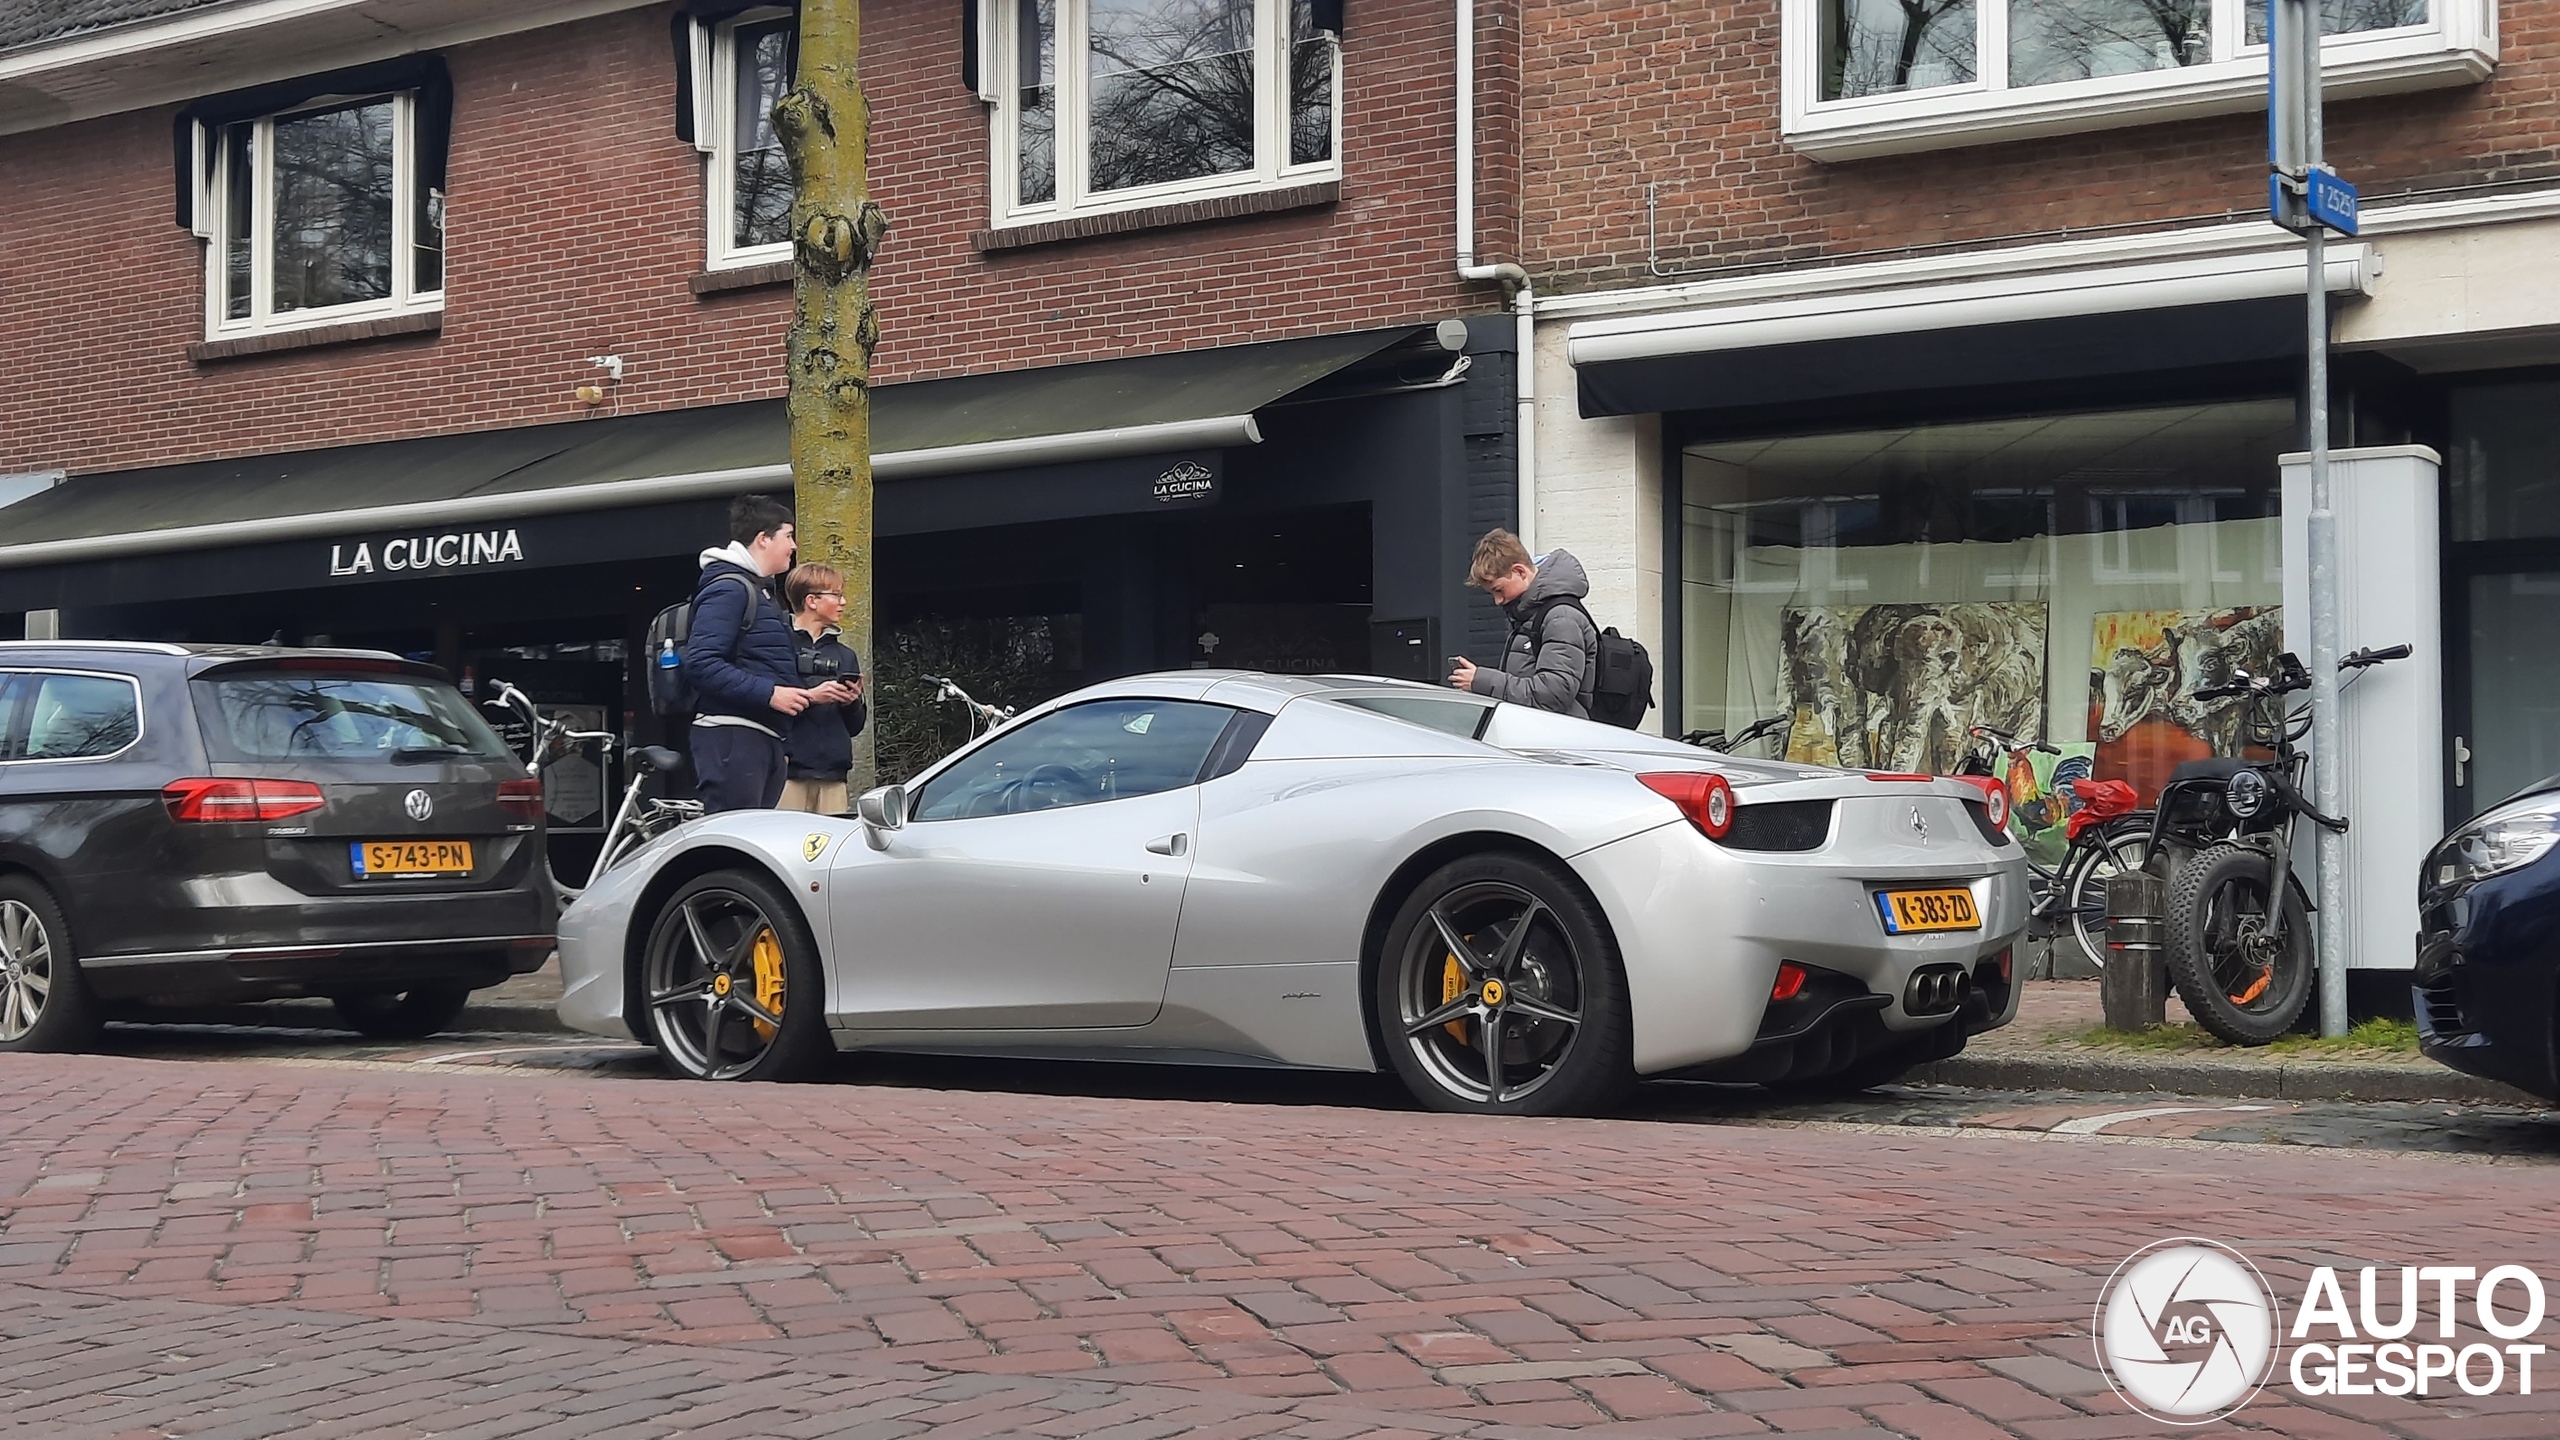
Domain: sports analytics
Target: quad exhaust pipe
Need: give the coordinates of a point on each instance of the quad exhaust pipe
(1937, 990)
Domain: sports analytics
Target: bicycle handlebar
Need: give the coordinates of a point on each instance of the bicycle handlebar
(2362, 658)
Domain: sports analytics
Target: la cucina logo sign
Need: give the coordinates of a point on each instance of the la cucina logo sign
(453, 550)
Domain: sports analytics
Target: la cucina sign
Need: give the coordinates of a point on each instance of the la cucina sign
(453, 551)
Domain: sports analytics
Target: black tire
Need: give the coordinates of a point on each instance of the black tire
(719, 1004)
(2234, 982)
(2120, 849)
(44, 1001)
(411, 1014)
(1539, 964)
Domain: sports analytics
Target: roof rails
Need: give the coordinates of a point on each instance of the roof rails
(144, 647)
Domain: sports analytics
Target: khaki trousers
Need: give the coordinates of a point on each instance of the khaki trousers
(818, 797)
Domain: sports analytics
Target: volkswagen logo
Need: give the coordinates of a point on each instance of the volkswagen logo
(420, 805)
(1919, 823)
(2186, 1331)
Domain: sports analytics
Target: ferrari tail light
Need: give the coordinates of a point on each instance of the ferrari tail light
(1790, 981)
(219, 801)
(1995, 798)
(1702, 795)
(1884, 775)
(521, 799)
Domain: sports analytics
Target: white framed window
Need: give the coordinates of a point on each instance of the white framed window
(1882, 77)
(319, 215)
(748, 181)
(1107, 105)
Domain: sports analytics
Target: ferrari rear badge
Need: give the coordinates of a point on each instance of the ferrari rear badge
(1919, 823)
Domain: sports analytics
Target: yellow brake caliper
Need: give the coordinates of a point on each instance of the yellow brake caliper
(768, 979)
(1453, 983)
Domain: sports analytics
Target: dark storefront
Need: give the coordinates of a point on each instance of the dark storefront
(1301, 505)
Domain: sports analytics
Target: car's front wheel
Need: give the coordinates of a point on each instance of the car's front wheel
(733, 983)
(1500, 992)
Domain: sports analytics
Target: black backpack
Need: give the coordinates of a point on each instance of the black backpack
(670, 688)
(1621, 670)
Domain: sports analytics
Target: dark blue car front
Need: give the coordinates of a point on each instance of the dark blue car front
(2488, 976)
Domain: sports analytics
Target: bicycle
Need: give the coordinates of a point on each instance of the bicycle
(982, 716)
(2105, 836)
(2239, 936)
(1752, 733)
(636, 821)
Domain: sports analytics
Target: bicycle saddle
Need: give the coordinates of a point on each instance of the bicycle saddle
(655, 757)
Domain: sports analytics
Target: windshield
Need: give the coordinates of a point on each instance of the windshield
(341, 717)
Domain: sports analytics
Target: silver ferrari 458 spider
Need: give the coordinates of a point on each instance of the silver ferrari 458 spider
(1519, 912)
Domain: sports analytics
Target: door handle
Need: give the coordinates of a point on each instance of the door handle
(1174, 844)
(2461, 758)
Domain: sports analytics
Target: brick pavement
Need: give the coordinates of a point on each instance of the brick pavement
(224, 1249)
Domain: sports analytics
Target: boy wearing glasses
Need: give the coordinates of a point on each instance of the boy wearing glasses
(819, 746)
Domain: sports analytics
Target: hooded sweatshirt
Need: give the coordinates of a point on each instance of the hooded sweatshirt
(739, 647)
(1552, 669)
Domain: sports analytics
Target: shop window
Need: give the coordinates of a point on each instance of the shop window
(2058, 577)
(1109, 105)
(1866, 77)
(320, 214)
(2502, 481)
(749, 187)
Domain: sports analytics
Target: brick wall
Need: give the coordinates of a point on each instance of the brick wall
(1621, 94)
(576, 220)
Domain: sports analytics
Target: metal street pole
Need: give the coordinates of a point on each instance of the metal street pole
(2327, 740)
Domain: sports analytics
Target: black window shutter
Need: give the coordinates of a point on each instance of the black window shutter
(683, 30)
(970, 60)
(1326, 14)
(425, 74)
(707, 13)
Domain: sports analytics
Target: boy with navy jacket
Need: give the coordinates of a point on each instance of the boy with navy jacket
(745, 668)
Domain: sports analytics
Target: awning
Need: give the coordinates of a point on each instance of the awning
(1013, 421)
(2003, 331)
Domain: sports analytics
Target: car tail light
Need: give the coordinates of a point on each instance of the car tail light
(217, 801)
(1790, 981)
(1883, 775)
(521, 798)
(1702, 795)
(1995, 797)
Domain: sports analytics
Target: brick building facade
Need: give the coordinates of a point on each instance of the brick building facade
(1043, 363)
(1897, 397)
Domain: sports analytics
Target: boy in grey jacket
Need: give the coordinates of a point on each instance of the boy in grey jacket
(1549, 670)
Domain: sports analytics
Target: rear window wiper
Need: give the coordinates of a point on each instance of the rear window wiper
(420, 754)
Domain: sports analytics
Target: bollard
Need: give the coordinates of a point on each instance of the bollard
(2134, 993)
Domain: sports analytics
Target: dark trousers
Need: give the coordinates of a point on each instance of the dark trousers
(736, 768)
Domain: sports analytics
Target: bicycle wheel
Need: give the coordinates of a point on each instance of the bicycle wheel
(2119, 850)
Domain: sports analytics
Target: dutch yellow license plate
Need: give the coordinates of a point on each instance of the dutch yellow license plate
(382, 859)
(1913, 912)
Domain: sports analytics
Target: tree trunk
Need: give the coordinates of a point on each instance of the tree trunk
(825, 129)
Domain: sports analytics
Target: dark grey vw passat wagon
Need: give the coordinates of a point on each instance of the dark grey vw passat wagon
(190, 824)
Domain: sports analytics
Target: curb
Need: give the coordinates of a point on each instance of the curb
(2278, 1080)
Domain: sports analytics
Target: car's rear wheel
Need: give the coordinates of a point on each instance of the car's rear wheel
(411, 1014)
(732, 981)
(1500, 992)
(44, 1004)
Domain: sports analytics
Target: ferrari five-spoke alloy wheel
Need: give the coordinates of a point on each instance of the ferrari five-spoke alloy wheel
(1500, 992)
(43, 1003)
(732, 981)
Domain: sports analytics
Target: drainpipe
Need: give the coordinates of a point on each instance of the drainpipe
(1523, 299)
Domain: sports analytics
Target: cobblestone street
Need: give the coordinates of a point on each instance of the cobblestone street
(231, 1249)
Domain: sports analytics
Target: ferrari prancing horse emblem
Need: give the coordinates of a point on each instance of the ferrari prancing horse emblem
(813, 847)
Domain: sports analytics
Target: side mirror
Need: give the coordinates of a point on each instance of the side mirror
(882, 811)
